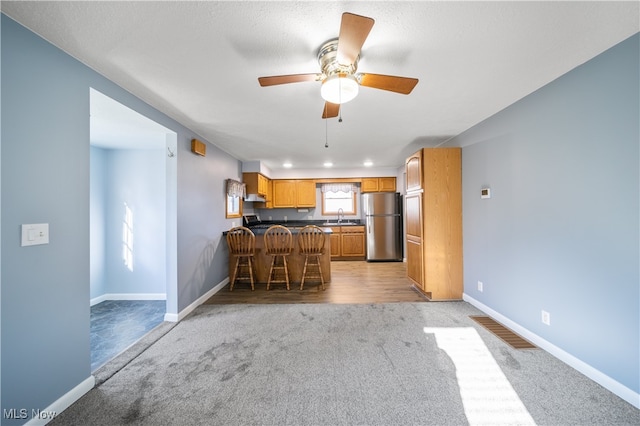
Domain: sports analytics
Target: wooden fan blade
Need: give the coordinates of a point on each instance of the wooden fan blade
(330, 110)
(391, 83)
(354, 30)
(285, 79)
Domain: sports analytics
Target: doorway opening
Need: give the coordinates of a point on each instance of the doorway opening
(133, 258)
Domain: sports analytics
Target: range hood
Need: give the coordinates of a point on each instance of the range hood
(254, 198)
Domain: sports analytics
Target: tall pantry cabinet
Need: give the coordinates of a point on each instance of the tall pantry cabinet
(433, 209)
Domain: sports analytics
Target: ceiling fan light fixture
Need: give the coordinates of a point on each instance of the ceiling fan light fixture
(339, 88)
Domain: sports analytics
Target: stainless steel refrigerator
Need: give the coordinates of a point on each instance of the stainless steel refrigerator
(383, 219)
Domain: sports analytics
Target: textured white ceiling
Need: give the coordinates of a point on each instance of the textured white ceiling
(198, 62)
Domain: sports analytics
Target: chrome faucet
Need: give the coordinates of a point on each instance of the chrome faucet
(340, 215)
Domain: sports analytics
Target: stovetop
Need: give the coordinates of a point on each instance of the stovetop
(261, 226)
(250, 220)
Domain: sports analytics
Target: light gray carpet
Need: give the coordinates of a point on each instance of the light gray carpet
(321, 364)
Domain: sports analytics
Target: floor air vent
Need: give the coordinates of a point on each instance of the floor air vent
(508, 336)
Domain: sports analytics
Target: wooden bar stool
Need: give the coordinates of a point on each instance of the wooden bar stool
(278, 243)
(311, 242)
(242, 245)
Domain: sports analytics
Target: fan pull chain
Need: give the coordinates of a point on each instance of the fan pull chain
(326, 130)
(340, 98)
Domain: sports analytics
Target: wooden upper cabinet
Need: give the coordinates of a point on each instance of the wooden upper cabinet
(378, 184)
(413, 168)
(387, 184)
(291, 193)
(268, 204)
(263, 185)
(284, 193)
(256, 183)
(306, 193)
(369, 185)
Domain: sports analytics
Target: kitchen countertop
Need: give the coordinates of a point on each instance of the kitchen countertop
(296, 226)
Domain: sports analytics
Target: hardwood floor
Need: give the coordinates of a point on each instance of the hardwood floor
(352, 282)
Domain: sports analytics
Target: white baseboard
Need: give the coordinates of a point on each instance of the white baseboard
(128, 296)
(186, 311)
(62, 403)
(597, 376)
(86, 385)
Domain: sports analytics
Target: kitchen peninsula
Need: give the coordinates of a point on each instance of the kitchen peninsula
(295, 261)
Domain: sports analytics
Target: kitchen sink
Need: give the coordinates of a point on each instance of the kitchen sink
(339, 224)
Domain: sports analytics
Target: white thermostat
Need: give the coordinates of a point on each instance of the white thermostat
(485, 193)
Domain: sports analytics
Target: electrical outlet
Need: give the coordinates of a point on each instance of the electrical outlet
(480, 286)
(546, 318)
(285, 218)
(35, 233)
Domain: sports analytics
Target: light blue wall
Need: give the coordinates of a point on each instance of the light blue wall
(45, 163)
(136, 178)
(98, 197)
(561, 231)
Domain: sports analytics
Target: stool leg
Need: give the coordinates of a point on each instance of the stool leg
(320, 270)
(286, 271)
(273, 259)
(235, 274)
(304, 271)
(250, 260)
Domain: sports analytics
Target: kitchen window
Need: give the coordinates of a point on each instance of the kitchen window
(336, 196)
(235, 194)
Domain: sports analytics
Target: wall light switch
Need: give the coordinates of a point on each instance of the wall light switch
(35, 234)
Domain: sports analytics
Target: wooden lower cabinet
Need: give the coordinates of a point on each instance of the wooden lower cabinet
(348, 243)
(413, 227)
(414, 263)
(336, 244)
(353, 241)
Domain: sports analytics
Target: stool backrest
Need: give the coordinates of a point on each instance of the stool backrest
(311, 240)
(241, 241)
(278, 240)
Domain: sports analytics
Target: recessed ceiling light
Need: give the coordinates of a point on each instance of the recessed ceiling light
(368, 163)
(328, 164)
(287, 165)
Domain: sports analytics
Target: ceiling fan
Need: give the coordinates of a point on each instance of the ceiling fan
(338, 59)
